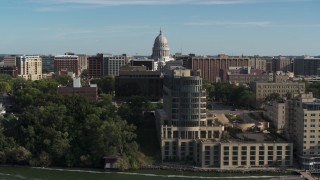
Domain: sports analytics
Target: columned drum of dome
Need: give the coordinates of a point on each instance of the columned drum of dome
(160, 50)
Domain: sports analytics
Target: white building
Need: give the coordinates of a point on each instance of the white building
(112, 64)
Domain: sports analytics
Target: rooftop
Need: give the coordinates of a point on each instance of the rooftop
(256, 137)
(312, 106)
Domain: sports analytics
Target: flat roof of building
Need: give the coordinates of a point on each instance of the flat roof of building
(257, 137)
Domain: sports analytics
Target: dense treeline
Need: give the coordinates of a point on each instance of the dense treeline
(45, 129)
(229, 93)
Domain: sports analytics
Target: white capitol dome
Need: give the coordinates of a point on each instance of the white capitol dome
(160, 50)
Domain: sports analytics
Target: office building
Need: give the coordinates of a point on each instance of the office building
(215, 68)
(307, 66)
(258, 62)
(47, 63)
(284, 64)
(148, 63)
(9, 61)
(95, 66)
(137, 81)
(112, 64)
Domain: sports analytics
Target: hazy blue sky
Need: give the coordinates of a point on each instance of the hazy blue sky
(206, 27)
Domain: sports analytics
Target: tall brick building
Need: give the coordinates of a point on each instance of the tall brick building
(95, 66)
(67, 62)
(215, 68)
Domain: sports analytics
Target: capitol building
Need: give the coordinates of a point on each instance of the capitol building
(161, 51)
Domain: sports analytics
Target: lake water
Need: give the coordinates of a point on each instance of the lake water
(29, 173)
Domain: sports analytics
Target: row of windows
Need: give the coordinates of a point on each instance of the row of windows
(311, 114)
(311, 125)
(311, 142)
(253, 148)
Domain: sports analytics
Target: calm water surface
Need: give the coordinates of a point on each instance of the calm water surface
(18, 173)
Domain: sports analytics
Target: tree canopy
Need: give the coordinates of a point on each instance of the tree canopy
(46, 129)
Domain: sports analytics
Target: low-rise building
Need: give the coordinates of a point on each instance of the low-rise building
(247, 151)
(91, 92)
(137, 81)
(10, 70)
(263, 90)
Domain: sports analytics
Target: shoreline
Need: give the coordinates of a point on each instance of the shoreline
(168, 167)
(217, 170)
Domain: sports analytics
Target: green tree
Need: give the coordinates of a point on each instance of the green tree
(105, 84)
(273, 97)
(4, 87)
(210, 89)
(64, 80)
(19, 155)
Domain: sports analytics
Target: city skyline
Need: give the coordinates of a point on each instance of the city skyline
(204, 27)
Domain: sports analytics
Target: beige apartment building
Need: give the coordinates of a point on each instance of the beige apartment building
(302, 126)
(306, 129)
(30, 67)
